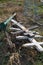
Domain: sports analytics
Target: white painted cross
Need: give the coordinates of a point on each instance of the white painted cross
(35, 44)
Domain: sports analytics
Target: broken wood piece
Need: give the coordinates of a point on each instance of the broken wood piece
(37, 45)
(14, 29)
(21, 37)
(18, 24)
(27, 34)
(34, 32)
(33, 27)
(22, 27)
(38, 36)
(18, 32)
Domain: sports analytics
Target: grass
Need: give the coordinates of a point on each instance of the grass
(39, 63)
(19, 2)
(40, 10)
(5, 60)
(3, 1)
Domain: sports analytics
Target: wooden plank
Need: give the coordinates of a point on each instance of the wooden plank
(13, 29)
(22, 27)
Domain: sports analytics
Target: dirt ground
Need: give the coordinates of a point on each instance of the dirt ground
(23, 57)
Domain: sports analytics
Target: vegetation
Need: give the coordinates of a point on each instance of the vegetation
(26, 56)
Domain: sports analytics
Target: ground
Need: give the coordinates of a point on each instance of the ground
(26, 56)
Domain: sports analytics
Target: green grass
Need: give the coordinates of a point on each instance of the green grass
(39, 9)
(6, 0)
(39, 63)
(3, 0)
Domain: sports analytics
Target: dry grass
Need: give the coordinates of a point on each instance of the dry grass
(15, 58)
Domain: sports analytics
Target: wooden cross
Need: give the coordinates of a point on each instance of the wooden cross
(35, 44)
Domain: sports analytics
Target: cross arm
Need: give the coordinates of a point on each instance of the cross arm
(37, 45)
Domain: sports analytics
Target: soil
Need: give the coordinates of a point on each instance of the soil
(15, 56)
